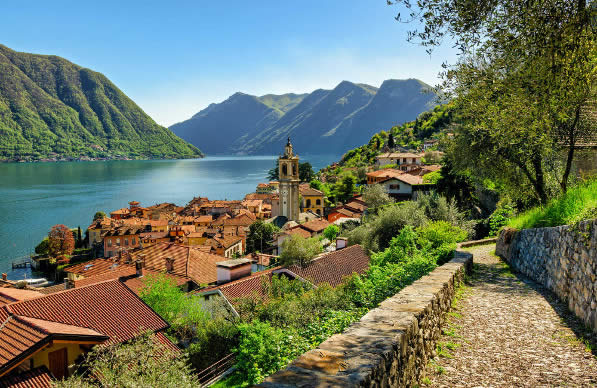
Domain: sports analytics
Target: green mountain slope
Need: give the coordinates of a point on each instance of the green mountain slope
(322, 122)
(50, 107)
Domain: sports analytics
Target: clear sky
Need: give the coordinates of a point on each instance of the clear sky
(173, 58)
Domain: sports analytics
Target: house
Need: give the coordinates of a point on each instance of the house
(121, 238)
(160, 225)
(406, 160)
(308, 229)
(120, 214)
(97, 229)
(330, 268)
(149, 238)
(312, 199)
(406, 187)
(374, 177)
(44, 337)
(227, 246)
(429, 143)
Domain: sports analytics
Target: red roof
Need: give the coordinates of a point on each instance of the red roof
(328, 268)
(96, 267)
(34, 378)
(332, 267)
(314, 226)
(385, 173)
(188, 261)
(105, 312)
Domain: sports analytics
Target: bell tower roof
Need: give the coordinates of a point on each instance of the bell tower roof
(288, 153)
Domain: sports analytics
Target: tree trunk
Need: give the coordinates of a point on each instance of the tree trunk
(539, 182)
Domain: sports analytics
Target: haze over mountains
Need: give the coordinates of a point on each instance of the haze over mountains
(321, 122)
(52, 108)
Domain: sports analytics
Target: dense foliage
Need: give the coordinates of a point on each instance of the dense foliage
(578, 203)
(408, 135)
(526, 76)
(142, 362)
(260, 236)
(50, 107)
(276, 329)
(299, 250)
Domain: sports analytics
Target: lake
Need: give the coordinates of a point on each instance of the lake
(36, 196)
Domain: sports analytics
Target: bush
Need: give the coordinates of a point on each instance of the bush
(500, 218)
(331, 232)
(299, 250)
(438, 233)
(264, 349)
(579, 202)
(43, 247)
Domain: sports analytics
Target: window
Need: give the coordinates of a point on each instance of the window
(294, 169)
(284, 169)
(126, 242)
(318, 202)
(318, 211)
(118, 241)
(134, 241)
(109, 242)
(308, 203)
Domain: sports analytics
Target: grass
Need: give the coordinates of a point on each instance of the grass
(579, 202)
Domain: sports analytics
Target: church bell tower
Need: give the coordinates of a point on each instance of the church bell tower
(289, 183)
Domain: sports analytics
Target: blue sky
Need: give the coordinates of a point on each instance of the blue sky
(173, 58)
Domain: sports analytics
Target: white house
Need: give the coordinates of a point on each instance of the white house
(405, 160)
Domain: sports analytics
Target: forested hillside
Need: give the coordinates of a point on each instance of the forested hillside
(52, 108)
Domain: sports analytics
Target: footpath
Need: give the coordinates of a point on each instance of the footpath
(507, 331)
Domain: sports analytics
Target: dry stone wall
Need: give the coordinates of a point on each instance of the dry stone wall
(390, 345)
(562, 258)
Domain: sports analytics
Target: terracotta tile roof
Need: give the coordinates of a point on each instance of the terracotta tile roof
(94, 267)
(355, 206)
(135, 283)
(188, 261)
(240, 220)
(332, 267)
(52, 289)
(305, 189)
(227, 241)
(315, 226)
(10, 295)
(345, 212)
(252, 202)
(262, 196)
(157, 222)
(408, 179)
(385, 173)
(34, 378)
(300, 231)
(109, 308)
(123, 211)
(154, 235)
(244, 287)
(398, 155)
(204, 219)
(110, 274)
(125, 230)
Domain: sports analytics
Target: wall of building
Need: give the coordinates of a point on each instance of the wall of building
(73, 351)
(562, 258)
(390, 345)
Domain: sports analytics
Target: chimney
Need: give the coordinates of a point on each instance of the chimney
(169, 264)
(230, 270)
(341, 242)
(4, 276)
(139, 267)
(68, 284)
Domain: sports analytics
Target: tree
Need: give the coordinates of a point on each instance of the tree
(375, 196)
(274, 173)
(43, 247)
(331, 232)
(306, 173)
(99, 215)
(391, 142)
(142, 362)
(346, 187)
(526, 74)
(260, 237)
(60, 241)
(299, 250)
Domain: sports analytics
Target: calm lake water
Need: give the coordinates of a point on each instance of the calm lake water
(36, 196)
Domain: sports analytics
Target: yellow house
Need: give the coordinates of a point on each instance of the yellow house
(43, 334)
(312, 199)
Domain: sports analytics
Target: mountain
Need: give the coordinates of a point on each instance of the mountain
(321, 122)
(52, 108)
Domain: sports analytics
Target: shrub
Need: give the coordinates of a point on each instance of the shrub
(438, 233)
(264, 349)
(500, 218)
(299, 250)
(43, 247)
(331, 232)
(579, 202)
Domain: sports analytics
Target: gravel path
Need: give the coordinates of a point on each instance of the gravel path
(507, 331)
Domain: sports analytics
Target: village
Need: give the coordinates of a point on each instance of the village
(208, 248)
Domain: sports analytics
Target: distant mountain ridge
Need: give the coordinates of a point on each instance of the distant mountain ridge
(51, 108)
(321, 122)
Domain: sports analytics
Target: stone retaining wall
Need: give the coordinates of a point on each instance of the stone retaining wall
(390, 345)
(562, 258)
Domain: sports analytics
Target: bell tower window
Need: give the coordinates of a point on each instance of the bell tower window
(284, 169)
